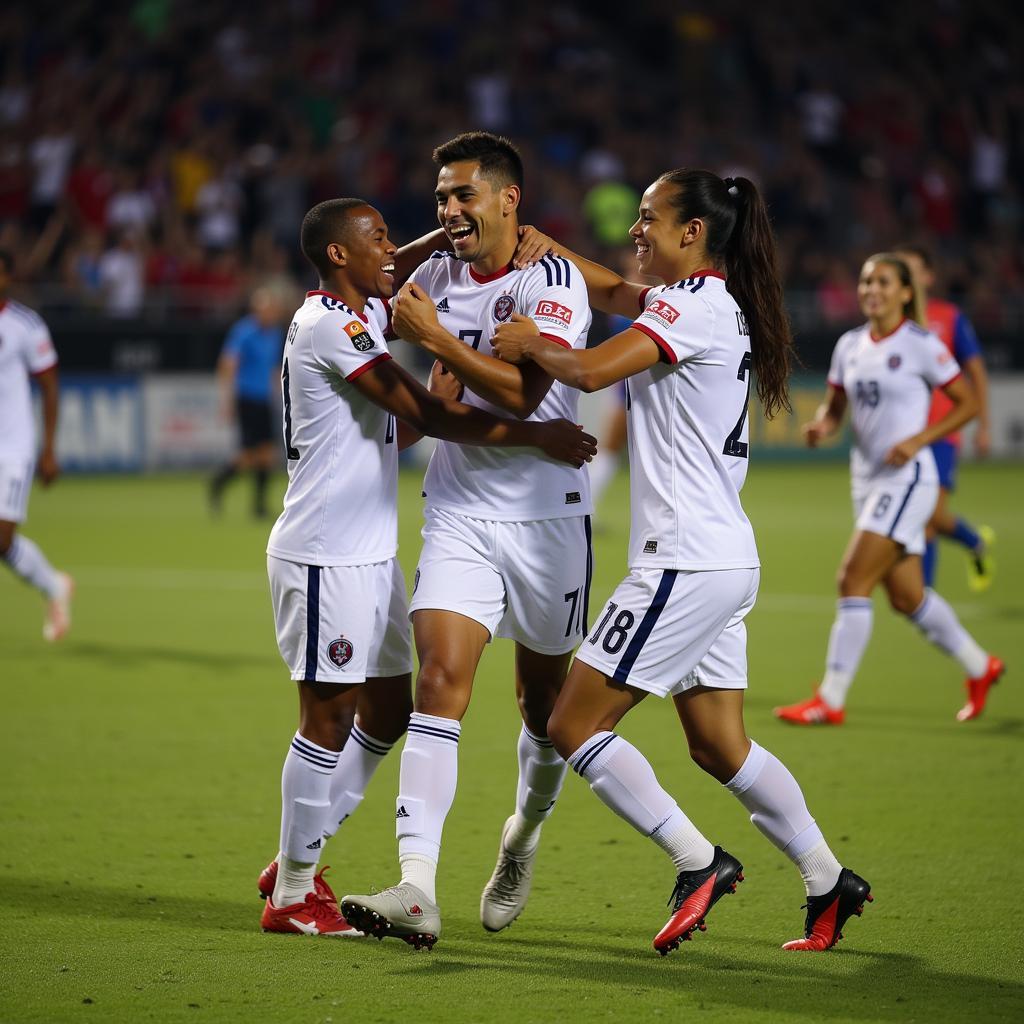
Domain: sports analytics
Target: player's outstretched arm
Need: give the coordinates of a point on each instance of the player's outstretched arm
(965, 408)
(49, 388)
(442, 383)
(609, 292)
(519, 390)
(827, 419)
(412, 254)
(393, 389)
(590, 369)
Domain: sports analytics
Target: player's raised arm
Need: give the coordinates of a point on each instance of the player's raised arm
(389, 386)
(609, 292)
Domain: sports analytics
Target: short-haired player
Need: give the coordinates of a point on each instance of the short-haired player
(675, 625)
(885, 372)
(26, 351)
(338, 594)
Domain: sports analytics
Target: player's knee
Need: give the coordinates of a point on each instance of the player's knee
(6, 537)
(439, 690)
(566, 735)
(905, 602)
(535, 707)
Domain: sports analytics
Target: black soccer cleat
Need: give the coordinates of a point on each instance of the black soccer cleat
(695, 893)
(827, 914)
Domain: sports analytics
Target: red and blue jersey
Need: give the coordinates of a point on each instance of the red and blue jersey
(954, 330)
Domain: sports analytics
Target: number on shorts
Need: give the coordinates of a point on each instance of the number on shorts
(575, 612)
(733, 444)
(881, 506)
(293, 452)
(616, 636)
(473, 337)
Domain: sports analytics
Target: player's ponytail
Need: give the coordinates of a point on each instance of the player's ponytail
(740, 235)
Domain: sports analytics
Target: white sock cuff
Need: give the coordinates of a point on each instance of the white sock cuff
(368, 743)
(749, 770)
(594, 754)
(433, 728)
(320, 759)
(915, 615)
(854, 604)
(539, 741)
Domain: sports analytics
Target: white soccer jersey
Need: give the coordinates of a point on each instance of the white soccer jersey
(508, 484)
(688, 431)
(25, 349)
(889, 384)
(341, 504)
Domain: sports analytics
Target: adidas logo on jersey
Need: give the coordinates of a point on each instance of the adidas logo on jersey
(402, 812)
(442, 306)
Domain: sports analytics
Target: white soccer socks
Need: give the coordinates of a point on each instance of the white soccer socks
(767, 789)
(359, 759)
(541, 774)
(850, 634)
(305, 810)
(27, 561)
(426, 790)
(939, 623)
(622, 778)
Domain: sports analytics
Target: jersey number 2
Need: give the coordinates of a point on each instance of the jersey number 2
(733, 444)
(293, 452)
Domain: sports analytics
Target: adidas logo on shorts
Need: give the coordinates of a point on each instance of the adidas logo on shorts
(402, 812)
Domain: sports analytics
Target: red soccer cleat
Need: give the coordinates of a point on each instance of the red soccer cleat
(827, 914)
(268, 879)
(811, 712)
(695, 893)
(317, 916)
(977, 689)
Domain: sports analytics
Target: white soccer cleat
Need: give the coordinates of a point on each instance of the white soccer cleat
(401, 912)
(505, 895)
(58, 609)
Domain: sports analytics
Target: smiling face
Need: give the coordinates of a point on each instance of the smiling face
(657, 235)
(476, 214)
(367, 252)
(882, 295)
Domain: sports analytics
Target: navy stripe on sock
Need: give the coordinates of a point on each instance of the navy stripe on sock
(540, 741)
(317, 757)
(312, 621)
(368, 743)
(906, 497)
(585, 761)
(430, 730)
(636, 645)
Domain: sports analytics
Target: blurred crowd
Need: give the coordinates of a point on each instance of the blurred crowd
(160, 154)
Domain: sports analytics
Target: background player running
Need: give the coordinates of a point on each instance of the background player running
(954, 330)
(886, 371)
(26, 350)
(674, 627)
(506, 543)
(338, 594)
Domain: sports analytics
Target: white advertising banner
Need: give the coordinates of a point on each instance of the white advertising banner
(184, 427)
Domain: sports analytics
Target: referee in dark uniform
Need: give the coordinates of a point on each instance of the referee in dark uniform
(248, 368)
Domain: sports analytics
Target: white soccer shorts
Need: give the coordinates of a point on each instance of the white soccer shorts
(527, 581)
(15, 485)
(668, 630)
(897, 510)
(341, 624)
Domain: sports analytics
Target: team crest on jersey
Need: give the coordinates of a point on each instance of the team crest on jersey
(663, 311)
(340, 651)
(359, 338)
(553, 313)
(504, 307)
(894, 362)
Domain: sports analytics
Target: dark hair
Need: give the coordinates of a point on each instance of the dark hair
(325, 223)
(922, 252)
(7, 259)
(738, 233)
(498, 158)
(913, 309)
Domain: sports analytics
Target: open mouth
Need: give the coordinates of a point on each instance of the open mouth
(460, 234)
(388, 268)
(642, 251)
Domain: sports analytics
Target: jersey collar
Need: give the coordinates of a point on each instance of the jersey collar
(485, 278)
(337, 298)
(884, 337)
(3, 305)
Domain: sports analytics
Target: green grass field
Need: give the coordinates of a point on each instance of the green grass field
(141, 762)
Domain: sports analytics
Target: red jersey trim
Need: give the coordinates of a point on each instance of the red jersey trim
(557, 341)
(665, 347)
(389, 327)
(706, 273)
(368, 366)
(838, 387)
(643, 298)
(338, 298)
(484, 278)
(3, 305)
(883, 337)
(950, 381)
(47, 369)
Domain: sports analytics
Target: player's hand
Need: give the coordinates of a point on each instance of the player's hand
(815, 432)
(443, 382)
(567, 442)
(900, 454)
(48, 468)
(533, 244)
(514, 339)
(413, 315)
(983, 441)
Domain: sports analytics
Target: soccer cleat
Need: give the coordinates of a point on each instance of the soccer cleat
(810, 712)
(58, 609)
(827, 914)
(977, 689)
(401, 912)
(505, 895)
(981, 567)
(695, 893)
(268, 879)
(318, 915)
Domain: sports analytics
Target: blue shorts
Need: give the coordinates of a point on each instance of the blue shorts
(946, 453)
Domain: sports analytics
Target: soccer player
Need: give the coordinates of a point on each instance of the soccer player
(954, 330)
(674, 626)
(506, 543)
(338, 593)
(248, 365)
(886, 371)
(26, 350)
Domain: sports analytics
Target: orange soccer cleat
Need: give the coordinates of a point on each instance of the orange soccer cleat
(811, 712)
(977, 689)
(827, 914)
